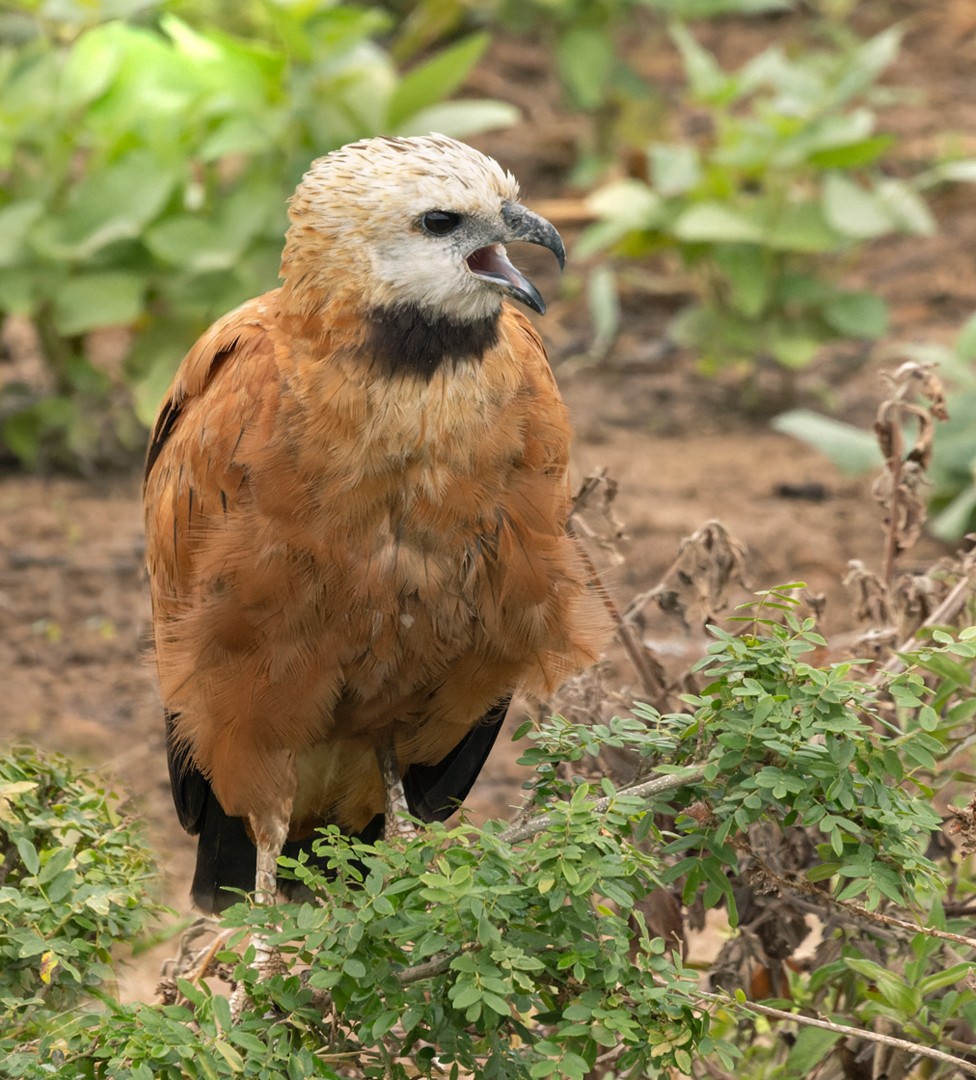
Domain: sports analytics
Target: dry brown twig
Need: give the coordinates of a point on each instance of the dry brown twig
(900, 490)
(897, 607)
(599, 487)
(197, 949)
(841, 1029)
(963, 824)
(859, 912)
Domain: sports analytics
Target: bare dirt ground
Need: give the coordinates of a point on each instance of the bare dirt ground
(74, 609)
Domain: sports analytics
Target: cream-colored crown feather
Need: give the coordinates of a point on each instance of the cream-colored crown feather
(356, 220)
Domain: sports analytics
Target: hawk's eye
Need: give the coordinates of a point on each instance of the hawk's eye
(440, 222)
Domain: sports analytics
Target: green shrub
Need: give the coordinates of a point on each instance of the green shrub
(520, 951)
(146, 173)
(781, 188)
(585, 35)
(74, 869)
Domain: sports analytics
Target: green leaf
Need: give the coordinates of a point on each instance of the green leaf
(851, 449)
(955, 519)
(857, 315)
(675, 168)
(463, 996)
(28, 855)
(812, 1045)
(853, 211)
(800, 227)
(872, 58)
(708, 81)
(586, 58)
(892, 987)
(792, 345)
(907, 209)
(90, 67)
(18, 292)
(240, 135)
(852, 155)
(436, 79)
(631, 202)
(25, 432)
(461, 118)
(194, 243)
(963, 172)
(604, 305)
(16, 221)
(966, 340)
(939, 980)
(496, 1004)
(928, 718)
(108, 205)
(354, 968)
(747, 268)
(53, 867)
(229, 1054)
(714, 222)
(91, 301)
(222, 1012)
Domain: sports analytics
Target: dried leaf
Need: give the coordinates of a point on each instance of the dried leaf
(963, 825)
(710, 562)
(872, 603)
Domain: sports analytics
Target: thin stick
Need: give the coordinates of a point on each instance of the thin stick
(658, 785)
(860, 911)
(652, 681)
(841, 1029)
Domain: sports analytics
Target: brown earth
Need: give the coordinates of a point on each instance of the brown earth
(74, 612)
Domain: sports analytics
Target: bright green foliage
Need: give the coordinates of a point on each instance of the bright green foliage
(147, 168)
(519, 953)
(808, 746)
(539, 967)
(782, 185)
(74, 868)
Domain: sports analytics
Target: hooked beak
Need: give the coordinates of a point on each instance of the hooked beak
(492, 264)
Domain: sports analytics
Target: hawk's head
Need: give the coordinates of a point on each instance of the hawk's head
(417, 224)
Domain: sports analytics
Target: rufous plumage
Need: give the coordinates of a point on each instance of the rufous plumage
(356, 501)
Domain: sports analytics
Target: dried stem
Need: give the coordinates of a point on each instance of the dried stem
(892, 539)
(648, 667)
(858, 910)
(706, 998)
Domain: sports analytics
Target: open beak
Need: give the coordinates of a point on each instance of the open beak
(492, 262)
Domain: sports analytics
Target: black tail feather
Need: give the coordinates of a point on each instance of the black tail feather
(226, 857)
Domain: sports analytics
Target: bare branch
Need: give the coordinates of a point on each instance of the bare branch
(648, 789)
(858, 910)
(840, 1029)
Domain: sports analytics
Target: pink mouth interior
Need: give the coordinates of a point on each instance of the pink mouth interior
(490, 262)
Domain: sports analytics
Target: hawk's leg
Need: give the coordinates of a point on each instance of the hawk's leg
(394, 797)
(270, 831)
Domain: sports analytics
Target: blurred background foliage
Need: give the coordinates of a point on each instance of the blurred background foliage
(148, 147)
(147, 159)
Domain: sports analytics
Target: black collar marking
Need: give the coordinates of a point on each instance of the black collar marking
(404, 340)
